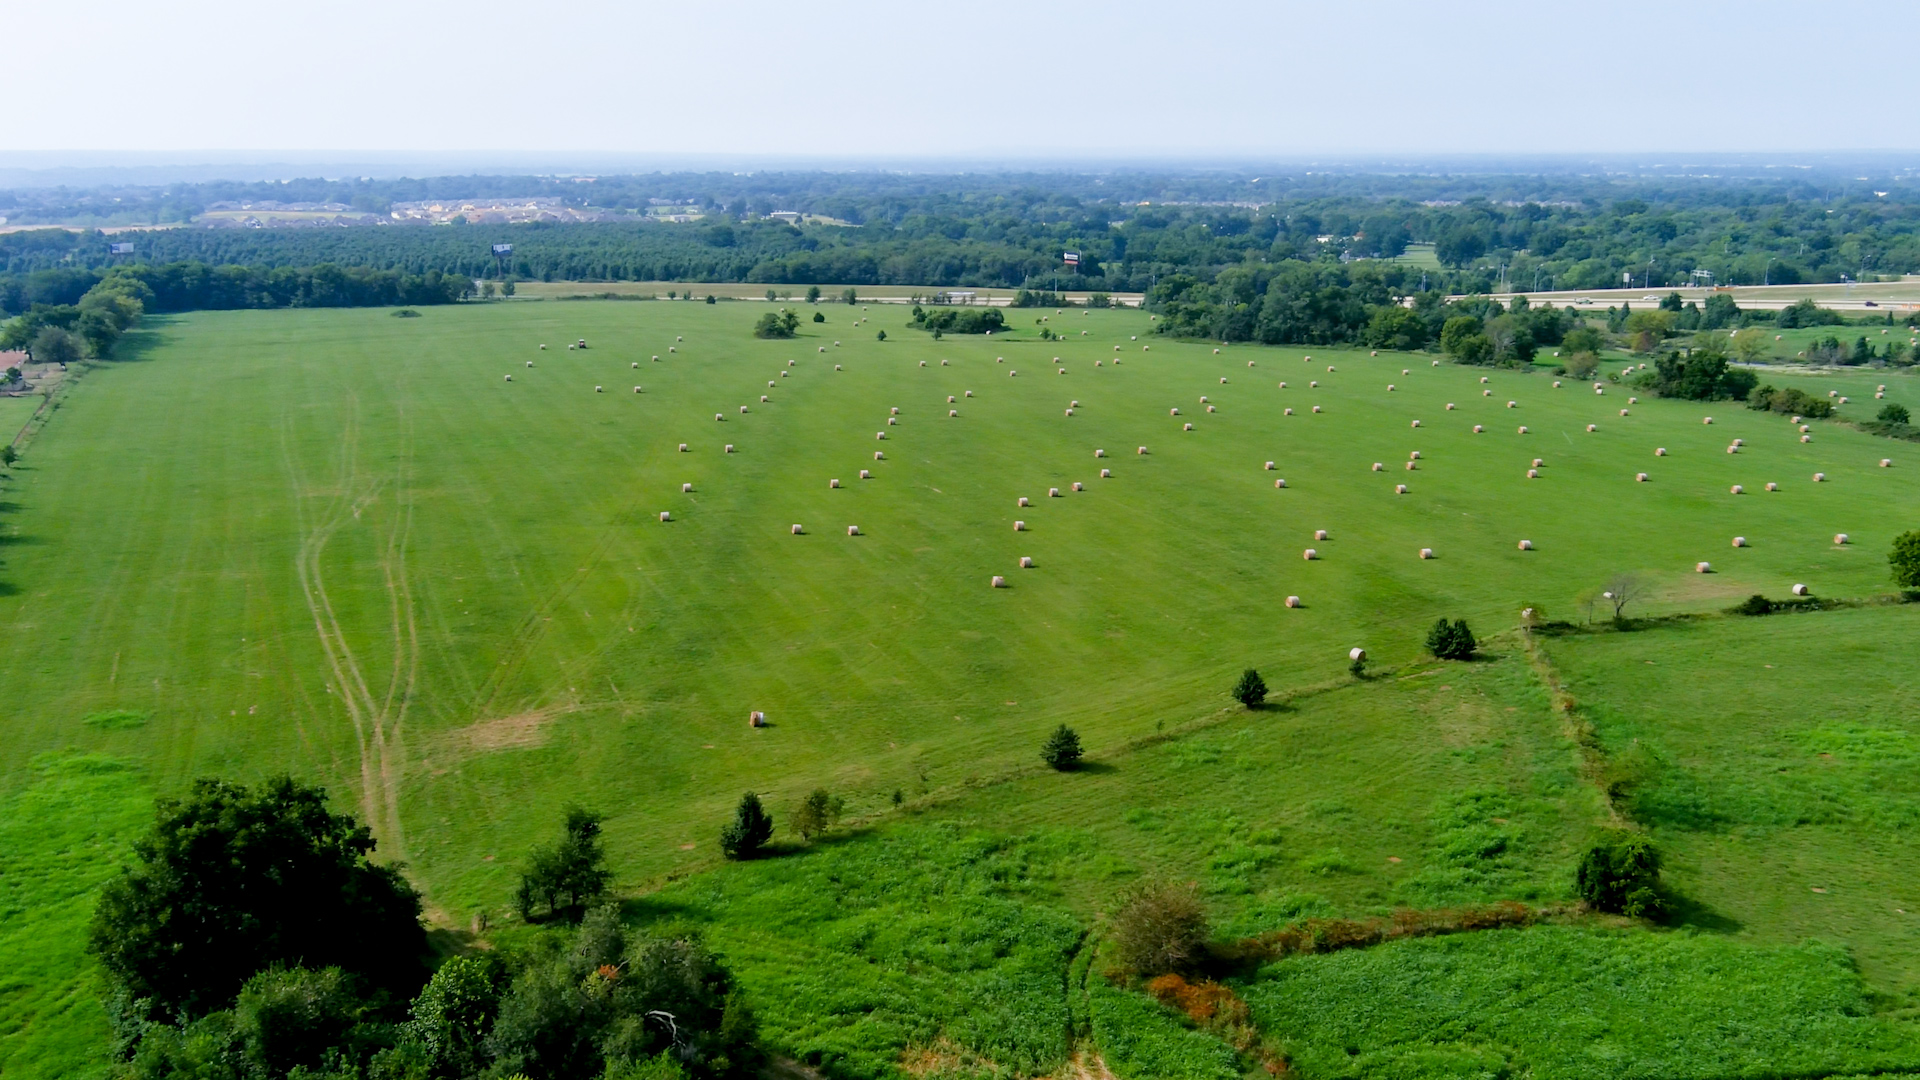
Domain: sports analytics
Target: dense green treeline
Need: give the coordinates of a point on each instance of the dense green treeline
(1012, 234)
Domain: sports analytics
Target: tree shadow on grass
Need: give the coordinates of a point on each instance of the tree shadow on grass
(137, 346)
(1685, 911)
(1095, 768)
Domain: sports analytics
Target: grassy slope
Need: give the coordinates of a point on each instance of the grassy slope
(516, 630)
(1780, 761)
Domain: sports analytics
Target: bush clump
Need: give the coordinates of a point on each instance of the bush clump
(955, 321)
(1905, 560)
(1159, 928)
(816, 813)
(1754, 605)
(1620, 873)
(1895, 413)
(1451, 640)
(777, 324)
(1251, 690)
(1790, 401)
(1062, 749)
(747, 834)
(562, 880)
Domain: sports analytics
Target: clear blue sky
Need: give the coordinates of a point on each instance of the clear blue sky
(904, 79)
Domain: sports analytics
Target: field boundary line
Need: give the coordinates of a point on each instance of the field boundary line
(1577, 728)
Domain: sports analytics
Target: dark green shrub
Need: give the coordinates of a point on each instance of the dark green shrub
(819, 316)
(1754, 605)
(776, 324)
(1620, 873)
(1895, 413)
(1451, 640)
(1251, 690)
(749, 831)
(1159, 927)
(1905, 559)
(452, 1016)
(882, 336)
(1062, 749)
(816, 813)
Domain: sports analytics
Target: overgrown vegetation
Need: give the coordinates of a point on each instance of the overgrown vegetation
(1620, 873)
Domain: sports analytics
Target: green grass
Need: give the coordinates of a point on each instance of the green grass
(342, 544)
(1778, 756)
(63, 829)
(1558, 1002)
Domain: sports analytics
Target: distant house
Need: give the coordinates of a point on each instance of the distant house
(791, 217)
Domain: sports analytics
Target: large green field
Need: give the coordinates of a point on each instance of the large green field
(344, 544)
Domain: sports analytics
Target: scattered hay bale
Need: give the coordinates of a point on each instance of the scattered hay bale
(509, 378)
(1019, 526)
(1106, 473)
(836, 367)
(1186, 427)
(833, 483)
(1077, 486)
(1099, 453)
(1026, 562)
(1389, 388)
(1772, 486)
(729, 448)
(1633, 401)
(1021, 501)
(1706, 419)
(1623, 412)
(1286, 412)
(1739, 541)
(1799, 590)
(743, 408)
(1659, 451)
(1703, 568)
(892, 420)
(1399, 489)
(951, 413)
(543, 347)
(1593, 427)
(1280, 483)
(969, 393)
(853, 530)
(1538, 462)
(1356, 654)
(1223, 378)
(1270, 466)
(1053, 493)
(1293, 601)
(665, 516)
(636, 365)
(1483, 380)
(865, 475)
(1450, 406)
(1319, 534)
(1556, 384)
(719, 416)
(1806, 438)
(1523, 429)
(1533, 474)
(1886, 463)
(1738, 442)
(1840, 539)
(1477, 429)
(797, 530)
(1073, 404)
(1600, 390)
(1316, 408)
(763, 400)
(1513, 404)
(1416, 423)
(685, 488)
(1426, 553)
(1309, 554)
(1733, 449)
(999, 582)
(1640, 477)
(529, 363)
(683, 448)
(1526, 545)
(756, 719)
(1378, 467)
(1142, 450)
(1283, 386)
(1819, 478)
(1173, 412)
(1313, 384)
(879, 434)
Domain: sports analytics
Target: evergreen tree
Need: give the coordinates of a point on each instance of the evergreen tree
(1062, 749)
(749, 831)
(1251, 690)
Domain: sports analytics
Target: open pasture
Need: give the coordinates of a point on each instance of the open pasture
(348, 545)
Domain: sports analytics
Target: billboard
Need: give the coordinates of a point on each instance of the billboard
(503, 249)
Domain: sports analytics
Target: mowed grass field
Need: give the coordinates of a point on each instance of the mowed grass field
(344, 544)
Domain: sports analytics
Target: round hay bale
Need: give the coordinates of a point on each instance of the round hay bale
(1073, 404)
(999, 582)
(1633, 401)
(837, 344)
(1733, 449)
(1389, 388)
(1293, 601)
(1249, 363)
(1623, 412)
(797, 530)
(1833, 393)
(1413, 455)
(1209, 408)
(1477, 429)
(1026, 562)
(1739, 541)
(1375, 352)
(969, 393)
(671, 349)
(1313, 384)
(679, 337)
(1738, 442)
(1804, 428)
(1063, 371)
(1021, 501)
(1799, 590)
(1053, 493)
(1416, 423)
(1450, 406)
(1316, 408)
(543, 347)
(1436, 363)
(1703, 568)
(1640, 477)
(1309, 554)
(1019, 526)
(1378, 467)
(1659, 451)
(1706, 419)
(685, 488)
(1533, 474)
(1399, 489)
(1270, 466)
(656, 358)
(1486, 393)
(1356, 654)
(1601, 390)
(1142, 450)
(1556, 384)
(743, 408)
(509, 378)
(1526, 545)
(1513, 404)
(865, 475)
(852, 530)
(836, 367)
(1319, 534)
(1886, 463)
(1106, 473)
(1879, 394)
(1283, 386)
(879, 455)
(1426, 553)
(892, 420)
(1286, 412)
(1203, 399)
(1806, 438)
(1406, 371)
(1411, 465)
(683, 448)
(1483, 380)
(636, 364)
(529, 363)
(1280, 483)
(1771, 486)
(719, 416)
(1819, 477)
(1523, 429)
(1538, 462)
(1592, 428)
(665, 516)
(1011, 374)
(834, 483)
(1186, 427)
(1882, 388)
(1216, 352)
(1840, 539)
(1076, 485)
